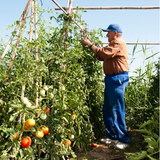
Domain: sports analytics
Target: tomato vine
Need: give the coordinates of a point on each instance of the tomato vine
(69, 81)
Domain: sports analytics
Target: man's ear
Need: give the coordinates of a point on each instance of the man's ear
(116, 34)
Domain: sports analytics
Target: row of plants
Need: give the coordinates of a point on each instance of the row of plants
(142, 106)
(66, 82)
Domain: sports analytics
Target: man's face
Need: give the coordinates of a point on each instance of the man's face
(111, 35)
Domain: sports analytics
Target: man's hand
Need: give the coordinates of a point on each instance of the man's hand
(86, 42)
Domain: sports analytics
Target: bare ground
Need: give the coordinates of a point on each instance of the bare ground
(109, 152)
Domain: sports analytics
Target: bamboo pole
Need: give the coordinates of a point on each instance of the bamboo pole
(18, 40)
(60, 8)
(15, 30)
(98, 8)
(36, 31)
(70, 6)
(29, 48)
(76, 22)
(36, 49)
(31, 25)
(67, 3)
(63, 66)
(139, 43)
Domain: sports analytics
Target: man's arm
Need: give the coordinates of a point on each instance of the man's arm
(89, 44)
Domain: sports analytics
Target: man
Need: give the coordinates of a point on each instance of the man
(115, 67)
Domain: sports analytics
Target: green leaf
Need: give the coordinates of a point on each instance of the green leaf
(4, 157)
(147, 123)
(151, 158)
(145, 131)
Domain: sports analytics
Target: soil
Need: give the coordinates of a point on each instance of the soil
(109, 152)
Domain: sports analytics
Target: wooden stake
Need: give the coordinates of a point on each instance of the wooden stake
(10, 40)
(18, 40)
(76, 22)
(60, 8)
(139, 43)
(31, 25)
(36, 31)
(70, 7)
(99, 8)
(36, 49)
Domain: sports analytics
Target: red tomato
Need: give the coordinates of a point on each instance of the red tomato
(15, 136)
(94, 145)
(45, 130)
(46, 111)
(68, 142)
(26, 142)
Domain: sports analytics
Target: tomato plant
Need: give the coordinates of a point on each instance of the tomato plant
(63, 80)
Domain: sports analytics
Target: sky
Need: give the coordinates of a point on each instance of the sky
(137, 25)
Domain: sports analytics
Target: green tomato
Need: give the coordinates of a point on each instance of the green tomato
(42, 92)
(43, 116)
(45, 88)
(71, 136)
(51, 95)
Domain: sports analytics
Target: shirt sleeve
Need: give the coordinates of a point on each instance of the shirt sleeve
(109, 51)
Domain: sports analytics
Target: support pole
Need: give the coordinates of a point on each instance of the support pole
(138, 43)
(77, 23)
(18, 40)
(109, 8)
(36, 49)
(31, 25)
(36, 31)
(10, 40)
(70, 7)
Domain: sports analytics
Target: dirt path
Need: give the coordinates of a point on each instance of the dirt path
(109, 152)
(101, 152)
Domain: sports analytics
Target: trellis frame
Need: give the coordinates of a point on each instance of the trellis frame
(111, 8)
(100, 8)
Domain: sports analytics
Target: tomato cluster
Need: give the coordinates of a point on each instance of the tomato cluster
(44, 131)
(26, 142)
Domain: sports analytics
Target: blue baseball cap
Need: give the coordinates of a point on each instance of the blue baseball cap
(113, 27)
